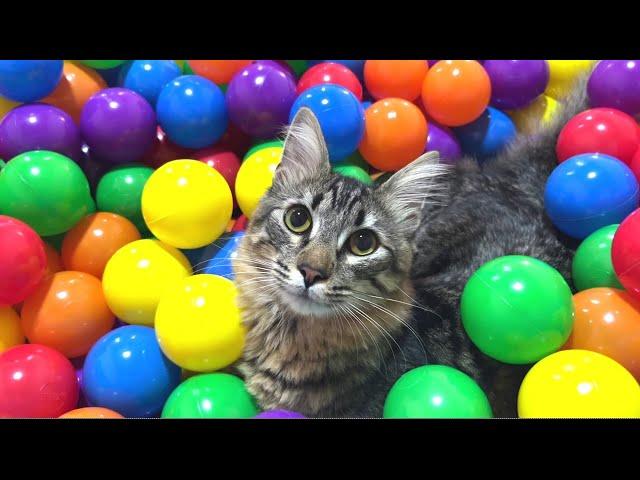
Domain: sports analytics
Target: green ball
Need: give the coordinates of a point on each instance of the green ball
(592, 265)
(436, 391)
(186, 69)
(211, 395)
(261, 145)
(120, 191)
(46, 190)
(103, 64)
(353, 171)
(298, 66)
(517, 309)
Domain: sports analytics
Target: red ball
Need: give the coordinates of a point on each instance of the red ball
(163, 151)
(330, 73)
(224, 161)
(240, 224)
(36, 382)
(22, 260)
(635, 164)
(599, 130)
(235, 140)
(625, 253)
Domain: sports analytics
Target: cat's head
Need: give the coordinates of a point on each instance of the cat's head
(321, 244)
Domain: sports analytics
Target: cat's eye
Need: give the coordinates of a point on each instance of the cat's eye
(363, 242)
(297, 219)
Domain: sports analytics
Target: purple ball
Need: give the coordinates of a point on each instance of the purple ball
(259, 99)
(280, 65)
(39, 127)
(616, 84)
(516, 83)
(279, 414)
(118, 125)
(441, 139)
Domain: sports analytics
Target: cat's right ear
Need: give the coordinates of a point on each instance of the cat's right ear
(305, 153)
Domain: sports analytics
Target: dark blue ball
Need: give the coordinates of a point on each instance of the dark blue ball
(487, 135)
(29, 80)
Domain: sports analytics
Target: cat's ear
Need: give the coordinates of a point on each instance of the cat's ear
(305, 153)
(415, 185)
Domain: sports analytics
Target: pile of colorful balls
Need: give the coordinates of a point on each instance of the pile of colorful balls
(126, 186)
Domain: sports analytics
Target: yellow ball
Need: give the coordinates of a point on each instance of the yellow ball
(255, 177)
(562, 74)
(578, 384)
(10, 330)
(186, 204)
(138, 275)
(5, 106)
(535, 115)
(198, 324)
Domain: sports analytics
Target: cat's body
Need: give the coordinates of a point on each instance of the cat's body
(340, 362)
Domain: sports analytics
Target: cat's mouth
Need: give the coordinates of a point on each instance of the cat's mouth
(305, 302)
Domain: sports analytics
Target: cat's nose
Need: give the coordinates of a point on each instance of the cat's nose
(311, 275)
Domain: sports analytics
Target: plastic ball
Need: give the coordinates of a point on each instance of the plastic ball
(588, 192)
(10, 330)
(635, 164)
(563, 75)
(255, 177)
(442, 140)
(538, 114)
(608, 322)
(241, 224)
(298, 66)
(516, 83)
(46, 190)
(138, 275)
(212, 395)
(191, 110)
(395, 134)
(436, 391)
(77, 85)
(340, 115)
(259, 98)
(487, 135)
(6, 106)
(221, 263)
(456, 92)
(93, 240)
(279, 415)
(395, 78)
(198, 323)
(616, 84)
(356, 66)
(517, 309)
(219, 72)
(36, 382)
(164, 150)
(91, 412)
(39, 127)
(599, 130)
(222, 160)
(54, 262)
(235, 140)
(625, 253)
(118, 125)
(592, 266)
(578, 384)
(353, 171)
(148, 77)
(29, 80)
(186, 204)
(67, 312)
(120, 192)
(333, 73)
(22, 258)
(127, 372)
(103, 64)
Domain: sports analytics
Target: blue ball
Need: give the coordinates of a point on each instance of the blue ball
(29, 80)
(487, 135)
(590, 191)
(340, 114)
(356, 66)
(148, 77)
(366, 104)
(221, 263)
(127, 372)
(192, 112)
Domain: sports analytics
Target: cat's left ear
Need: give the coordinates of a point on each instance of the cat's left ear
(305, 153)
(415, 185)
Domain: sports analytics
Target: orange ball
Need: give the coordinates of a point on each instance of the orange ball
(395, 134)
(607, 321)
(395, 78)
(54, 262)
(67, 312)
(91, 412)
(456, 92)
(77, 85)
(89, 245)
(219, 72)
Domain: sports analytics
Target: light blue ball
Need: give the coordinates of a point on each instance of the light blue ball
(148, 77)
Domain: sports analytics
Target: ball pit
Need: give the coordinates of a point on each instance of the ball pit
(616, 84)
(592, 266)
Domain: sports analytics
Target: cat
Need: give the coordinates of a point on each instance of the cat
(343, 287)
